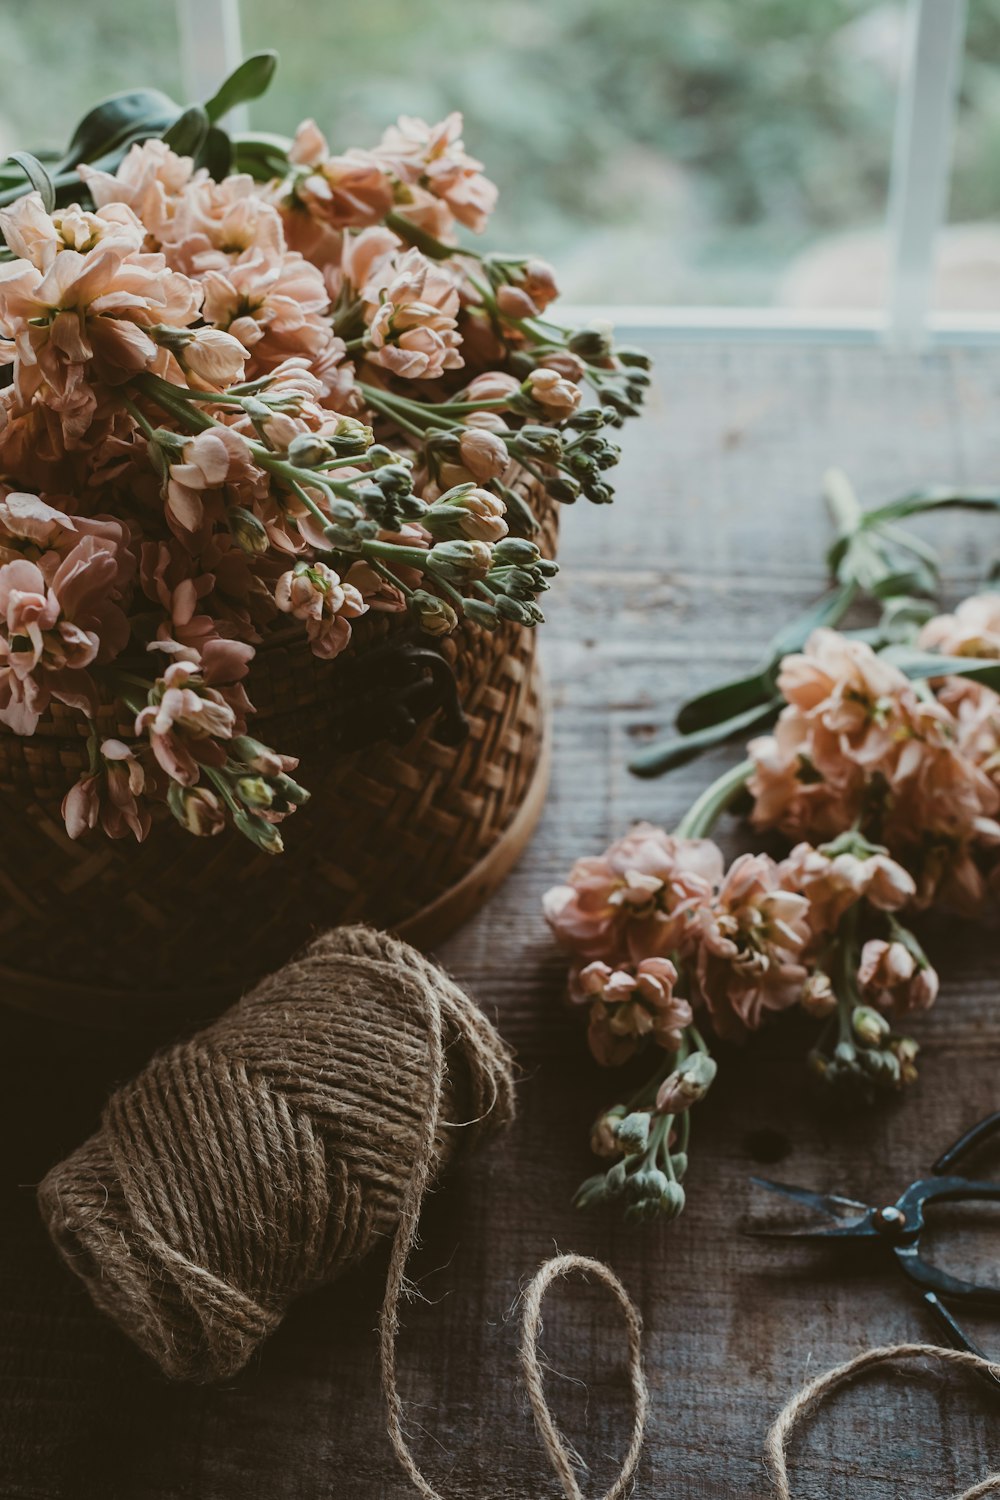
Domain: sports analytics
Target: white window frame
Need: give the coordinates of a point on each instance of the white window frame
(916, 211)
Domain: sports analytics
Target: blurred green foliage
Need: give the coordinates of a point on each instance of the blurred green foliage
(657, 149)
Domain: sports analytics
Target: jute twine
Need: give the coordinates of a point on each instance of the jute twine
(266, 1155)
(269, 1153)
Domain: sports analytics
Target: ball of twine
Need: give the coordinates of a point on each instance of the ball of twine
(268, 1154)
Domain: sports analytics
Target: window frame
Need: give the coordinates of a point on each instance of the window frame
(916, 209)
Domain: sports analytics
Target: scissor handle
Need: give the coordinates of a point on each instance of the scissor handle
(966, 1143)
(930, 1278)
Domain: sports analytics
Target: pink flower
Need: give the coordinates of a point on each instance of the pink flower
(629, 1004)
(751, 943)
(412, 307)
(558, 396)
(832, 882)
(109, 797)
(150, 180)
(638, 899)
(349, 191)
(58, 617)
(197, 703)
(483, 453)
(891, 977)
(274, 304)
(213, 458)
(315, 593)
(433, 157)
(973, 630)
(80, 317)
(492, 385)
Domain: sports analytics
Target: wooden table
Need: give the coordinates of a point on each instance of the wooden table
(717, 537)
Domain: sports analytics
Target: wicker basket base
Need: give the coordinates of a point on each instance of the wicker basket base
(164, 1013)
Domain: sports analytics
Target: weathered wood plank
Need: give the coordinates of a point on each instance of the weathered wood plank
(717, 537)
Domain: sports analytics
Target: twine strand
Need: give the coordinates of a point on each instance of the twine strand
(805, 1402)
(404, 1242)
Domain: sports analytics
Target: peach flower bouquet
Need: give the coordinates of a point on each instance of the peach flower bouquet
(879, 772)
(251, 382)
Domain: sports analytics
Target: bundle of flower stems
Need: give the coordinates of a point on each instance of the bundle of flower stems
(880, 768)
(254, 383)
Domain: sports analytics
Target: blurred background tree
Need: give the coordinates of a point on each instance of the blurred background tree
(657, 150)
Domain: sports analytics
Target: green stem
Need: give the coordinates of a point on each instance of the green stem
(702, 816)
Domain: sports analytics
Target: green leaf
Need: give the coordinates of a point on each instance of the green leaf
(829, 611)
(117, 123)
(248, 81)
(666, 755)
(187, 134)
(261, 155)
(37, 176)
(919, 665)
(923, 501)
(725, 700)
(216, 153)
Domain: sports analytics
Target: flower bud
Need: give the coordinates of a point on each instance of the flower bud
(306, 451)
(460, 561)
(248, 530)
(870, 1028)
(592, 1192)
(514, 302)
(483, 453)
(650, 1183)
(616, 1179)
(818, 998)
(565, 363)
(632, 1133)
(259, 832)
(254, 791)
(687, 1085)
(603, 1140)
(592, 342)
(257, 757)
(679, 1162)
(196, 809)
(672, 1201)
(434, 615)
(350, 437)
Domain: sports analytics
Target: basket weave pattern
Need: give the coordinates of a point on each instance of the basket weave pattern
(387, 831)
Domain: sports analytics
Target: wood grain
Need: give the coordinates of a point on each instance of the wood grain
(716, 538)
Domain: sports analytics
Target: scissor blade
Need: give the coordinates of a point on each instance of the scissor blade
(848, 1216)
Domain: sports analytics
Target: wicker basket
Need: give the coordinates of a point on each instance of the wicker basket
(412, 836)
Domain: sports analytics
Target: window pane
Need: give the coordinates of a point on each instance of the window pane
(968, 254)
(60, 57)
(658, 150)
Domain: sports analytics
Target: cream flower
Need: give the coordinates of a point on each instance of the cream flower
(315, 593)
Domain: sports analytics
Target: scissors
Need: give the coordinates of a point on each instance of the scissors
(898, 1226)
